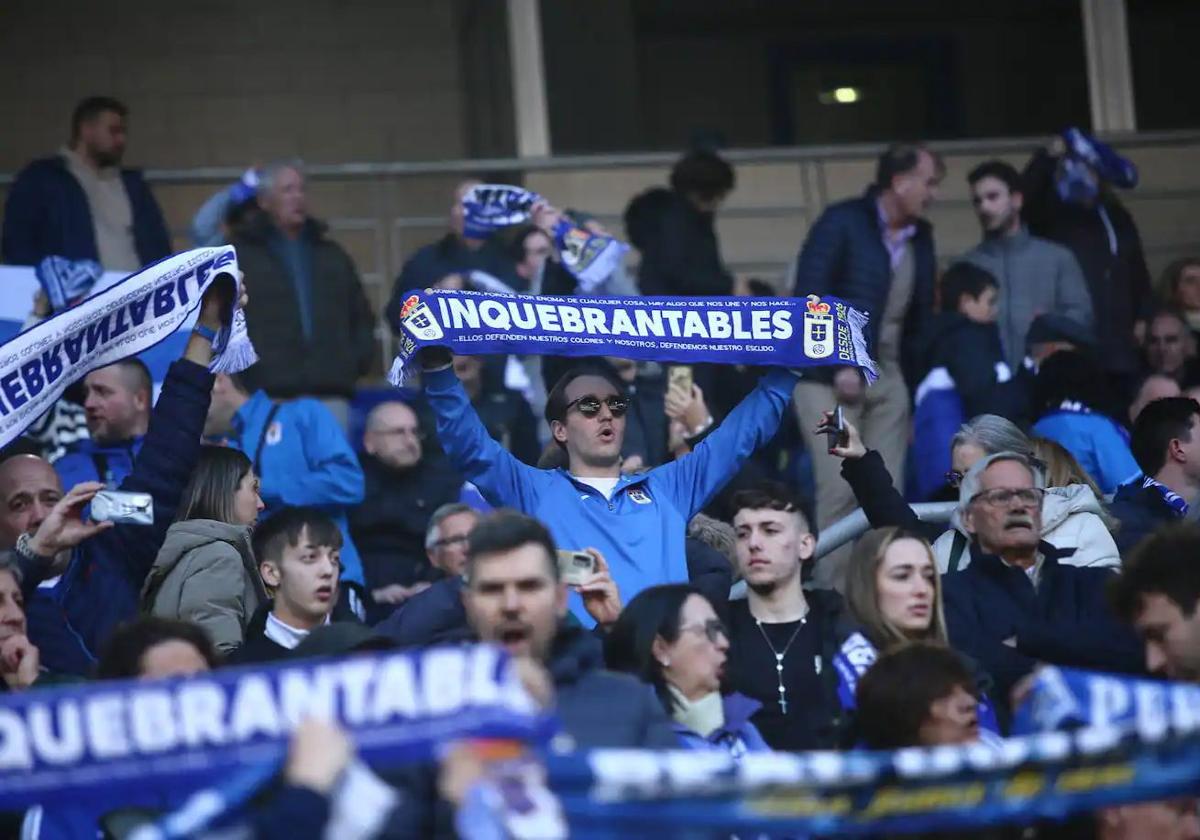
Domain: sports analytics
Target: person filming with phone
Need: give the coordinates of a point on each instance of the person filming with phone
(81, 578)
(637, 522)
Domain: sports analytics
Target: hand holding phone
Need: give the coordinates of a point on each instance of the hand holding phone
(574, 567)
(834, 427)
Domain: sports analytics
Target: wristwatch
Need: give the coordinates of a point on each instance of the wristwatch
(25, 550)
(205, 332)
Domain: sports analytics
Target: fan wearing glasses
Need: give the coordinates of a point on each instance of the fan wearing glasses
(637, 522)
(671, 638)
(1019, 603)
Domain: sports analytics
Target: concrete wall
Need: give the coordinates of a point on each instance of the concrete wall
(222, 82)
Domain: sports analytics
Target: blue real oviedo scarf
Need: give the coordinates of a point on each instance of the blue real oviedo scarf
(782, 332)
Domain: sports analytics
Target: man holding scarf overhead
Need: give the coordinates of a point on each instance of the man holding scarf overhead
(638, 522)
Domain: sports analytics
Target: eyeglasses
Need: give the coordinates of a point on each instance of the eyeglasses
(589, 406)
(954, 478)
(449, 541)
(1004, 497)
(713, 629)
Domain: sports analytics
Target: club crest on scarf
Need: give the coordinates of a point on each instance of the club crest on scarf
(818, 329)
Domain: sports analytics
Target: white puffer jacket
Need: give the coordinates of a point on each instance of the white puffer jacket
(1070, 519)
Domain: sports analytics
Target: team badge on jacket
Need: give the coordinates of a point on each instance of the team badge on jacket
(637, 494)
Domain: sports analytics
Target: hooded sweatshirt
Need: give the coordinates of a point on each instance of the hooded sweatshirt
(1072, 517)
(205, 573)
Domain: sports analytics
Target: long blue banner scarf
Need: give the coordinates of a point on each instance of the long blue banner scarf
(857, 655)
(106, 741)
(784, 332)
(591, 257)
(37, 365)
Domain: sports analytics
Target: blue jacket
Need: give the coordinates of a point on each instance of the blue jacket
(1064, 621)
(844, 255)
(641, 530)
(1141, 511)
(1099, 445)
(736, 736)
(306, 461)
(47, 214)
(86, 458)
(70, 621)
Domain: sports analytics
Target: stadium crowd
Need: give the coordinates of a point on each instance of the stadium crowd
(1041, 383)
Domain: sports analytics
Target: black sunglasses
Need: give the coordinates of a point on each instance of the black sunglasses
(589, 406)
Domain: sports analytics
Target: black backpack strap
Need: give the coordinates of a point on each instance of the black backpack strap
(262, 439)
(956, 550)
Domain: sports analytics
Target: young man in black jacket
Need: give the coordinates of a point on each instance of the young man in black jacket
(1166, 445)
(782, 637)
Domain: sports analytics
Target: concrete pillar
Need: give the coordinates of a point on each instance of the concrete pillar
(528, 78)
(1109, 68)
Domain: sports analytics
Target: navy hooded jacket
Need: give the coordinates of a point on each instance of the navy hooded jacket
(47, 214)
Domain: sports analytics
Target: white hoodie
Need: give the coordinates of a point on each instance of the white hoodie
(1070, 519)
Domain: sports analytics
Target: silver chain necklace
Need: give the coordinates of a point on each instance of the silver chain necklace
(779, 655)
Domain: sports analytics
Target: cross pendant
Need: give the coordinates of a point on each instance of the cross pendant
(783, 705)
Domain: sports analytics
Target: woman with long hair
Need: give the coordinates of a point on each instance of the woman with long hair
(670, 637)
(894, 592)
(205, 571)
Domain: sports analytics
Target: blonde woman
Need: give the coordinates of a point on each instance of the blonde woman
(894, 592)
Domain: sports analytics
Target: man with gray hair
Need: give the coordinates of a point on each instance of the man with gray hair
(1019, 602)
(309, 318)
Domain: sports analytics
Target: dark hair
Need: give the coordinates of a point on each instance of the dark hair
(506, 530)
(284, 529)
(1070, 376)
(703, 174)
(900, 159)
(134, 371)
(511, 240)
(1168, 284)
(92, 107)
(629, 645)
(1161, 564)
(964, 279)
(760, 288)
(895, 695)
(999, 170)
(1161, 422)
(1171, 312)
(768, 495)
(209, 494)
(122, 654)
(556, 400)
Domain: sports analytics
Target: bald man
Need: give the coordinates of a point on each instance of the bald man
(405, 485)
(117, 401)
(81, 579)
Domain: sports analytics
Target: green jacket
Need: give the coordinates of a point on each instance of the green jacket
(205, 573)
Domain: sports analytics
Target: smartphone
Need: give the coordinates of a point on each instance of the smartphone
(680, 376)
(123, 508)
(575, 566)
(836, 430)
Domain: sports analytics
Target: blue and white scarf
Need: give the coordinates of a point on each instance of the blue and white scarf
(1177, 504)
(66, 282)
(782, 332)
(108, 743)
(589, 256)
(137, 313)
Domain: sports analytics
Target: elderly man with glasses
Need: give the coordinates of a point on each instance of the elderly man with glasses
(637, 522)
(1019, 602)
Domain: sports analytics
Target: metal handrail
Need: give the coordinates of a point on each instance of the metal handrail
(854, 525)
(224, 174)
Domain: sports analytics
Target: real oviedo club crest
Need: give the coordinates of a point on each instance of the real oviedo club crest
(417, 318)
(818, 329)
